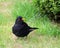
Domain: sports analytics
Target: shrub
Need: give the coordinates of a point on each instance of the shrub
(47, 7)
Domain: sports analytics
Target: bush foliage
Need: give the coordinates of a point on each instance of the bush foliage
(48, 7)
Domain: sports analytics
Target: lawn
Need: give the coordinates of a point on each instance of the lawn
(47, 36)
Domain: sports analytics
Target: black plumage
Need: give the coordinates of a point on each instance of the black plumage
(20, 28)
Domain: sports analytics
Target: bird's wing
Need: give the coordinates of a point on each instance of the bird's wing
(17, 27)
(26, 25)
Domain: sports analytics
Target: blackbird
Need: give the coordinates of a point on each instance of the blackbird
(20, 28)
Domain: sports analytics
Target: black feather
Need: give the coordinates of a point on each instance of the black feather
(20, 28)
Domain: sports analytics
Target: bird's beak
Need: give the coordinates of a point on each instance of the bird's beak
(23, 18)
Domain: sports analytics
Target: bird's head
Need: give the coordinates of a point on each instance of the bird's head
(19, 19)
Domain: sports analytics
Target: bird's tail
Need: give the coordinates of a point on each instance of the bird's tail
(33, 29)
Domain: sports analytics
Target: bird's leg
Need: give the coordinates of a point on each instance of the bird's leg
(25, 37)
(21, 38)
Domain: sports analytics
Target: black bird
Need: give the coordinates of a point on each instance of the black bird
(20, 28)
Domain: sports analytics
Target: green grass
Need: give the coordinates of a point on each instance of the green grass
(44, 37)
